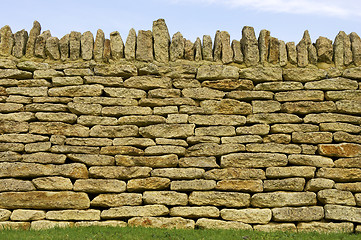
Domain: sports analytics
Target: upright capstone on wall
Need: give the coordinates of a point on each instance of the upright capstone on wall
(157, 131)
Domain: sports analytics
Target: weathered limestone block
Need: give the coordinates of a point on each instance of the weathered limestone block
(253, 160)
(27, 215)
(87, 45)
(217, 119)
(117, 200)
(151, 183)
(144, 50)
(20, 40)
(353, 73)
(17, 147)
(114, 131)
(310, 160)
(217, 72)
(132, 141)
(343, 95)
(324, 50)
(15, 185)
(300, 95)
(272, 227)
(65, 81)
(237, 51)
(340, 150)
(52, 48)
(304, 74)
(4, 214)
(85, 109)
(334, 196)
(297, 214)
(257, 129)
(284, 172)
(58, 128)
(327, 227)
(278, 138)
(283, 53)
(283, 199)
(213, 149)
(198, 184)
(352, 187)
(274, 51)
(40, 43)
(99, 185)
(99, 46)
(242, 139)
(161, 41)
(77, 91)
(349, 106)
(215, 131)
(228, 84)
(7, 41)
(147, 82)
(64, 47)
(235, 173)
(340, 174)
(34, 33)
(226, 52)
(47, 74)
(148, 161)
(213, 198)
(207, 52)
(109, 223)
(126, 110)
(119, 172)
(331, 117)
(346, 137)
(189, 50)
(162, 222)
(126, 150)
(53, 183)
(342, 50)
(105, 81)
(279, 86)
(15, 73)
(261, 74)
(44, 200)
(287, 184)
(116, 70)
(202, 93)
(240, 185)
(249, 46)
(203, 139)
(96, 120)
(10, 156)
(130, 44)
(167, 130)
(204, 223)
(165, 197)
(178, 173)
(291, 52)
(306, 107)
(202, 162)
(15, 225)
(302, 53)
(265, 106)
(317, 184)
(74, 215)
(311, 137)
(132, 211)
(92, 159)
(164, 93)
(342, 213)
(107, 51)
(333, 84)
(176, 49)
(217, 48)
(56, 117)
(273, 147)
(271, 118)
(194, 212)
(344, 127)
(89, 141)
(249, 215)
(250, 95)
(263, 45)
(348, 162)
(46, 224)
(355, 48)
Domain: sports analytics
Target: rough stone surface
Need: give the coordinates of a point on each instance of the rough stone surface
(227, 199)
(283, 199)
(250, 215)
(205, 223)
(298, 214)
(158, 222)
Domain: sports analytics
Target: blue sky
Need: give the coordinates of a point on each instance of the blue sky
(286, 19)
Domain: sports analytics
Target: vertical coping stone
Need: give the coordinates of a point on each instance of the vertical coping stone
(217, 48)
(130, 45)
(74, 45)
(356, 48)
(30, 45)
(64, 47)
(324, 50)
(161, 41)
(40, 44)
(7, 41)
(144, 50)
(312, 54)
(283, 53)
(291, 52)
(99, 46)
(227, 53)
(342, 50)
(52, 48)
(116, 45)
(21, 38)
(237, 52)
(302, 50)
(274, 50)
(106, 53)
(249, 46)
(188, 50)
(263, 45)
(87, 45)
(198, 50)
(176, 50)
(207, 53)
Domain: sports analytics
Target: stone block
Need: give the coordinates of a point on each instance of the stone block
(310, 160)
(116, 200)
(257, 129)
(205, 223)
(100, 186)
(116, 70)
(114, 131)
(215, 72)
(192, 185)
(331, 117)
(58, 128)
(148, 82)
(271, 118)
(202, 93)
(5, 214)
(285, 172)
(298, 214)
(15, 225)
(234, 173)
(343, 95)
(253, 160)
(278, 86)
(168, 131)
(250, 95)
(201, 162)
(333, 84)
(228, 84)
(133, 211)
(132, 141)
(118, 172)
(288, 184)
(178, 173)
(299, 95)
(233, 120)
(92, 159)
(53, 183)
(261, 74)
(273, 147)
(151, 183)
(334, 196)
(46, 224)
(352, 187)
(226, 107)
(28, 91)
(109, 223)
(340, 174)
(74, 215)
(343, 127)
(346, 137)
(240, 185)
(274, 227)
(306, 107)
(213, 149)
(215, 131)
(165, 149)
(340, 150)
(283, 199)
(27, 215)
(326, 227)
(213, 198)
(194, 212)
(16, 185)
(149, 161)
(162, 222)
(90, 121)
(342, 213)
(304, 74)
(249, 215)
(126, 150)
(56, 117)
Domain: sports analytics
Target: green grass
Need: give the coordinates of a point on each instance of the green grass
(138, 233)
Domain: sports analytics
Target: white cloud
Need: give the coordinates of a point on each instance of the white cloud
(334, 8)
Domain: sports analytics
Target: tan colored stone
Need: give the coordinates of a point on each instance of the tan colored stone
(288, 184)
(116, 200)
(249, 46)
(151, 183)
(99, 185)
(105, 81)
(161, 40)
(37, 147)
(213, 198)
(56, 117)
(216, 72)
(165, 149)
(165, 197)
(353, 73)
(261, 74)
(53, 183)
(334, 196)
(96, 120)
(249, 215)
(283, 199)
(265, 106)
(228, 84)
(257, 129)
(114, 131)
(194, 212)
(149, 161)
(144, 50)
(164, 93)
(118, 172)
(235, 173)
(333, 84)
(342, 213)
(213, 149)
(46, 224)
(132, 211)
(242, 139)
(247, 95)
(30, 170)
(147, 82)
(15, 225)
(340, 174)
(197, 184)
(74, 215)
(17, 147)
(44, 157)
(202, 139)
(346, 137)
(15, 185)
(126, 150)
(331, 117)
(306, 107)
(291, 52)
(132, 141)
(92, 159)
(274, 227)
(278, 138)
(340, 150)
(64, 47)
(201, 162)
(344, 127)
(187, 83)
(204, 223)
(253, 160)
(279, 86)
(74, 149)
(115, 70)
(310, 160)
(271, 118)
(312, 137)
(109, 223)
(215, 131)
(226, 106)
(167, 130)
(44, 200)
(168, 141)
(77, 91)
(303, 74)
(176, 48)
(349, 106)
(284, 172)
(273, 147)
(34, 32)
(202, 93)
(178, 173)
(297, 214)
(9, 156)
(352, 187)
(348, 162)
(300, 95)
(126, 110)
(162, 222)
(345, 227)
(27, 215)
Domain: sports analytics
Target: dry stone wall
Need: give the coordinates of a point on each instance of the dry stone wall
(251, 134)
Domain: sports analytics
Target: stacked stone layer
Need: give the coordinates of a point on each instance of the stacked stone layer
(183, 144)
